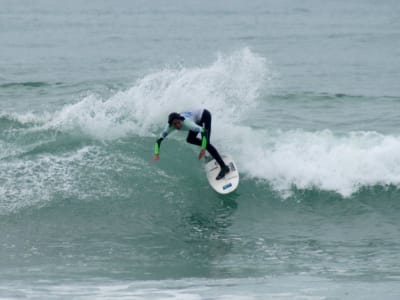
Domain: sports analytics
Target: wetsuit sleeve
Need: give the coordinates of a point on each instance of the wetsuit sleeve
(157, 146)
(167, 130)
(204, 140)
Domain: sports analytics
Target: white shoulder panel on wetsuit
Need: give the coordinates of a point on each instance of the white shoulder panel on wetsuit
(195, 114)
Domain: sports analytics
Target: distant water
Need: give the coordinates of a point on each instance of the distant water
(304, 94)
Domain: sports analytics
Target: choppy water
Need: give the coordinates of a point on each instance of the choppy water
(305, 96)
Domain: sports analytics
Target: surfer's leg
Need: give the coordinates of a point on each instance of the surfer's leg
(193, 139)
(206, 120)
(214, 153)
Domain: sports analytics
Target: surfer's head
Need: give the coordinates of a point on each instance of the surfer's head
(175, 120)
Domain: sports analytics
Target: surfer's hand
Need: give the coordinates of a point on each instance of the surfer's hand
(156, 157)
(202, 153)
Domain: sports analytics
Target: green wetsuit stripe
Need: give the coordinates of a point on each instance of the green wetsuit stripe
(156, 149)
(157, 146)
(204, 142)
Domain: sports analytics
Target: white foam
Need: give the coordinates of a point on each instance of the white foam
(275, 287)
(228, 87)
(33, 182)
(322, 160)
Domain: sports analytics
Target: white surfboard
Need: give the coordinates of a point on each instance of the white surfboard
(231, 180)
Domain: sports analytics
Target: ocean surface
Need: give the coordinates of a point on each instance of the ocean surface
(305, 95)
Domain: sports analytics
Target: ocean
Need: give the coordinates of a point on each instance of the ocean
(305, 95)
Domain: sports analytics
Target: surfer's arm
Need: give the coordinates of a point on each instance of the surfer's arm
(204, 143)
(163, 135)
(157, 146)
(204, 139)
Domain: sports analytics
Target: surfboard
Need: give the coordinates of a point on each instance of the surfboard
(227, 184)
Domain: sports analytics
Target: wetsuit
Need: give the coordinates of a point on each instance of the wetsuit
(193, 122)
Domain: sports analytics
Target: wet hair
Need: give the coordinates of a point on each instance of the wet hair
(174, 116)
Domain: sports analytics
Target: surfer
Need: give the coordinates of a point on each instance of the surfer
(196, 121)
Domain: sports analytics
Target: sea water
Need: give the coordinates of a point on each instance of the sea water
(304, 95)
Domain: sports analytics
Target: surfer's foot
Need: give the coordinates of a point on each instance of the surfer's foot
(222, 173)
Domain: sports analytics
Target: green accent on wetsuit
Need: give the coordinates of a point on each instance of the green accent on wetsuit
(203, 139)
(157, 146)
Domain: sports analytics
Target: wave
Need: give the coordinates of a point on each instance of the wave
(50, 154)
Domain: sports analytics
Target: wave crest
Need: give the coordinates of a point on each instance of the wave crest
(228, 87)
